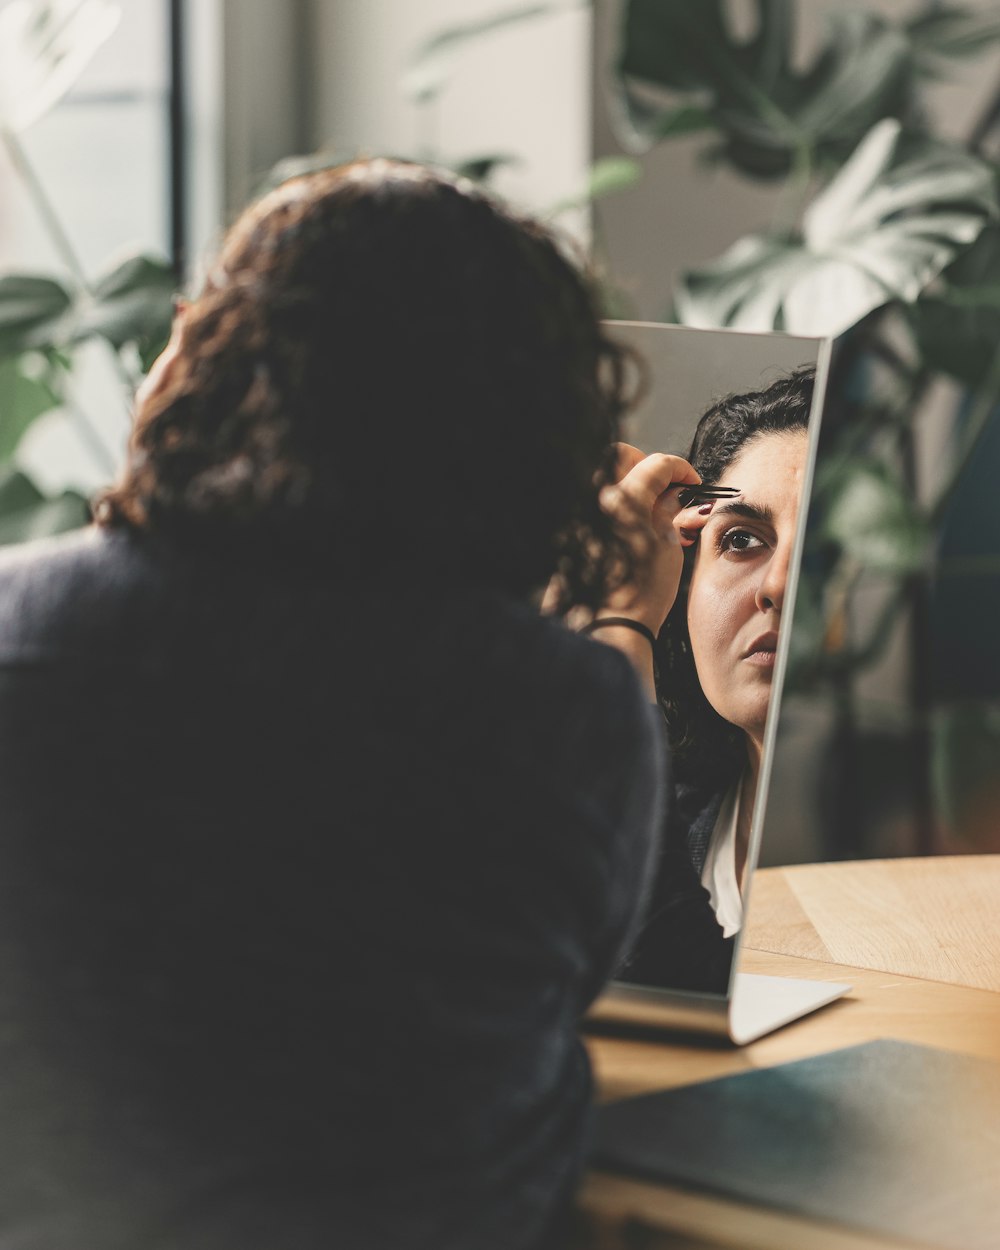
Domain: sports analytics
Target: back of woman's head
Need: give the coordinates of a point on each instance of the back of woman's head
(391, 375)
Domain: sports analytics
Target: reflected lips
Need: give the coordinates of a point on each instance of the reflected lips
(761, 650)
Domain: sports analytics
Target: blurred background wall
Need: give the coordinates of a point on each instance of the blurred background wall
(524, 91)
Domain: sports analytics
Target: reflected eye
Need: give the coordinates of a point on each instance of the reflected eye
(740, 542)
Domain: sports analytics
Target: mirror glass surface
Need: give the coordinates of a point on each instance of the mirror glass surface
(721, 653)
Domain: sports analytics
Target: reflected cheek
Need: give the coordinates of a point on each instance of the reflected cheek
(714, 613)
(721, 602)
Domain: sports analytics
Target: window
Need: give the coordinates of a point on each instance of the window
(116, 165)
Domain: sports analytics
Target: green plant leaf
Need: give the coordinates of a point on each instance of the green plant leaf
(32, 310)
(686, 119)
(612, 174)
(44, 47)
(133, 303)
(863, 74)
(686, 46)
(17, 491)
(26, 514)
(44, 519)
(890, 221)
(22, 400)
(681, 68)
(951, 33)
(959, 339)
(432, 64)
(957, 326)
(871, 517)
(482, 168)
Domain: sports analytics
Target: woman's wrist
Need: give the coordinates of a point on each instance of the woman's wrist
(613, 621)
(634, 640)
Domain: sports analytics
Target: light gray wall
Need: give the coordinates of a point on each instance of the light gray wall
(523, 90)
(266, 88)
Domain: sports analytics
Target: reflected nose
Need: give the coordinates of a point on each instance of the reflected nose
(771, 589)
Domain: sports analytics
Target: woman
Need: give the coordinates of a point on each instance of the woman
(318, 838)
(717, 613)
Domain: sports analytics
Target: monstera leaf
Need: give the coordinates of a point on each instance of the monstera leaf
(890, 221)
(133, 303)
(32, 310)
(958, 327)
(41, 323)
(872, 518)
(22, 399)
(943, 34)
(44, 47)
(25, 513)
(682, 69)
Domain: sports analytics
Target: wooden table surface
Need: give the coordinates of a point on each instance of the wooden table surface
(924, 938)
(936, 918)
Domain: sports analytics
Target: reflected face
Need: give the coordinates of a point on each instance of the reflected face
(738, 582)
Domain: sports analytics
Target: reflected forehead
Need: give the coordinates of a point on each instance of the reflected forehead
(782, 447)
(769, 471)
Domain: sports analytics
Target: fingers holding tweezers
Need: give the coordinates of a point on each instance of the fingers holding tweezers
(702, 494)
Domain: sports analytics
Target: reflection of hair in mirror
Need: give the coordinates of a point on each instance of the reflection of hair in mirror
(707, 750)
(391, 373)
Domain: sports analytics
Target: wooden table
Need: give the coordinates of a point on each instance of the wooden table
(920, 942)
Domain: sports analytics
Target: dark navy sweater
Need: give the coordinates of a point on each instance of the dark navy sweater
(303, 891)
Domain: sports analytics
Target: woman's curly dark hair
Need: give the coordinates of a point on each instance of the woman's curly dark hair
(706, 747)
(388, 374)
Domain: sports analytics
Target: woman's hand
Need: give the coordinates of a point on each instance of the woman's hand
(657, 528)
(645, 511)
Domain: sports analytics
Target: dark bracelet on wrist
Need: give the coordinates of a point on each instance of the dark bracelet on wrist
(601, 622)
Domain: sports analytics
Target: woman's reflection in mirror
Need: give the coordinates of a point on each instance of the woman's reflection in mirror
(712, 589)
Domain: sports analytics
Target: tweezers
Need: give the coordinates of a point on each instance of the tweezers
(702, 494)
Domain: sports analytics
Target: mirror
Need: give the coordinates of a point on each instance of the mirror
(719, 658)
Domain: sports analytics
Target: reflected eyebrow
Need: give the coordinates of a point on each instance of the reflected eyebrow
(750, 511)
